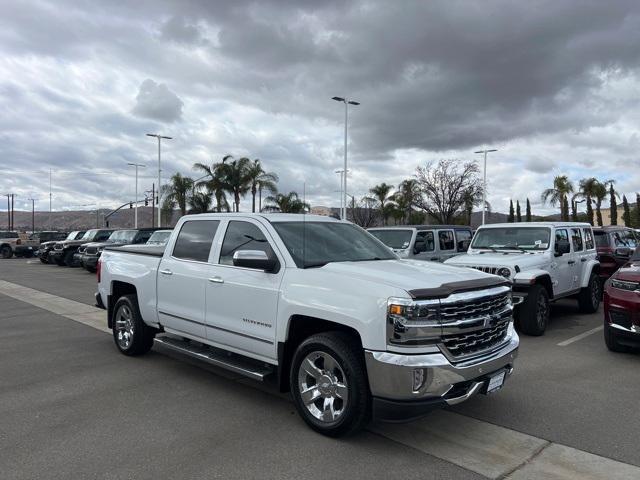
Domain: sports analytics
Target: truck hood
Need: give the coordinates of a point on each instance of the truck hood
(629, 272)
(411, 275)
(500, 259)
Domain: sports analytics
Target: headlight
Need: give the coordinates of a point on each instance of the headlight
(412, 322)
(623, 285)
(504, 272)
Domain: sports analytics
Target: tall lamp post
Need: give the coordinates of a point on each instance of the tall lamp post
(135, 215)
(484, 181)
(33, 215)
(159, 137)
(346, 102)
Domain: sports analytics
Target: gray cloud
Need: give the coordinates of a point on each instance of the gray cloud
(157, 102)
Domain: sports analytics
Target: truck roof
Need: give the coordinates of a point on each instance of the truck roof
(271, 217)
(536, 224)
(422, 227)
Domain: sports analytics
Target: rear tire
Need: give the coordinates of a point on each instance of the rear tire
(132, 336)
(6, 251)
(329, 384)
(533, 315)
(589, 297)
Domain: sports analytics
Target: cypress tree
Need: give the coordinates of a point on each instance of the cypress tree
(574, 211)
(613, 208)
(565, 210)
(626, 215)
(518, 213)
(511, 213)
(528, 214)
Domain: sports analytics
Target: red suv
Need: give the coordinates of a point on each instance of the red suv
(615, 246)
(622, 307)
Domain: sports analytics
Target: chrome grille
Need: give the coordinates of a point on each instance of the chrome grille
(485, 269)
(58, 247)
(474, 342)
(475, 309)
(91, 250)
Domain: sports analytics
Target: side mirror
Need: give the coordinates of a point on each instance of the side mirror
(562, 247)
(623, 252)
(463, 245)
(419, 247)
(256, 259)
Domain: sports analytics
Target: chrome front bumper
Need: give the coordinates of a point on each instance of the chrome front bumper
(432, 378)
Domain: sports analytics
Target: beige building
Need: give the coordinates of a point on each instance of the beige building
(606, 216)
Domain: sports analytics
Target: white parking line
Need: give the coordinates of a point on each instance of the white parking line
(482, 447)
(581, 336)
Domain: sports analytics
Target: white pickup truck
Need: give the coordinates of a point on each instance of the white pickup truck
(319, 305)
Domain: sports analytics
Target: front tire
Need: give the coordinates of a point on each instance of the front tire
(329, 384)
(6, 251)
(535, 311)
(589, 297)
(132, 336)
(68, 258)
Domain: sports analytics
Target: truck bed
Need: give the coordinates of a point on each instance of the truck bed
(151, 250)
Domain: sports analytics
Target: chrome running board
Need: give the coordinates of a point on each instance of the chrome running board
(219, 358)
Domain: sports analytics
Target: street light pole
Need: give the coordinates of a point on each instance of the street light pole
(341, 172)
(346, 122)
(159, 137)
(484, 181)
(135, 215)
(33, 215)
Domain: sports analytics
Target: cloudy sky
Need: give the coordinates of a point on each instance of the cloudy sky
(554, 85)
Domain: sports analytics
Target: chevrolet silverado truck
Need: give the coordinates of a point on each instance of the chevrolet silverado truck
(545, 261)
(318, 305)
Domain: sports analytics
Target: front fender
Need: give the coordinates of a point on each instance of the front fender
(529, 277)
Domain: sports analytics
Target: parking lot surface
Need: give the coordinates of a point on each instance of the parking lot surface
(73, 406)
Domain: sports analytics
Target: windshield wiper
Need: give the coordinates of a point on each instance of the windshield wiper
(314, 264)
(488, 248)
(368, 259)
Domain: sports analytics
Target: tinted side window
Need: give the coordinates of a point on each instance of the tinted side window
(576, 239)
(425, 238)
(562, 235)
(143, 236)
(194, 240)
(101, 236)
(588, 238)
(446, 240)
(463, 238)
(242, 236)
(602, 239)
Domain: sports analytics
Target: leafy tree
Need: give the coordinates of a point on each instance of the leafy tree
(260, 180)
(626, 215)
(200, 202)
(511, 214)
(286, 203)
(562, 187)
(589, 189)
(406, 197)
(178, 191)
(613, 203)
(166, 210)
(600, 193)
(637, 215)
(528, 214)
(364, 212)
(382, 193)
(445, 186)
(518, 213)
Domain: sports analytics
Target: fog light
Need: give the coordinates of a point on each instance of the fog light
(418, 379)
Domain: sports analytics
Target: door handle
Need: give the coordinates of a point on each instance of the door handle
(571, 262)
(166, 272)
(216, 280)
(583, 259)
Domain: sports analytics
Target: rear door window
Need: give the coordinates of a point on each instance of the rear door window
(576, 239)
(194, 240)
(446, 240)
(588, 238)
(463, 239)
(424, 241)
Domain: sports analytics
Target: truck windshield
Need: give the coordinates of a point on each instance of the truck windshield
(122, 236)
(159, 238)
(72, 235)
(314, 244)
(89, 234)
(517, 238)
(396, 239)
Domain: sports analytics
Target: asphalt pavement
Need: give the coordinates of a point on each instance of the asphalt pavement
(71, 405)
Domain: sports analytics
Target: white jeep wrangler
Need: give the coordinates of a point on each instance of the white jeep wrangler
(545, 261)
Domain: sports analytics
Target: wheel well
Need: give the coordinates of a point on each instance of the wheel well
(302, 327)
(118, 289)
(545, 281)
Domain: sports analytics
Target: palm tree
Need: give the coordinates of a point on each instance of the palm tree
(589, 189)
(382, 193)
(405, 198)
(562, 187)
(599, 194)
(260, 180)
(178, 191)
(200, 202)
(286, 203)
(215, 184)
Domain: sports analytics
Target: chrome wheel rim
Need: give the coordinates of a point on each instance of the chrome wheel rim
(124, 327)
(323, 387)
(542, 311)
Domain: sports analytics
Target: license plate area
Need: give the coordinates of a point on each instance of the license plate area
(494, 382)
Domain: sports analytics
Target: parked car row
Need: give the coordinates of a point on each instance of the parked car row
(25, 245)
(83, 248)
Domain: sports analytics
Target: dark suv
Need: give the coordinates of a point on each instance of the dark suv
(92, 251)
(47, 246)
(63, 252)
(615, 245)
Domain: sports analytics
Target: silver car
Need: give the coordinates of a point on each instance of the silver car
(434, 243)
